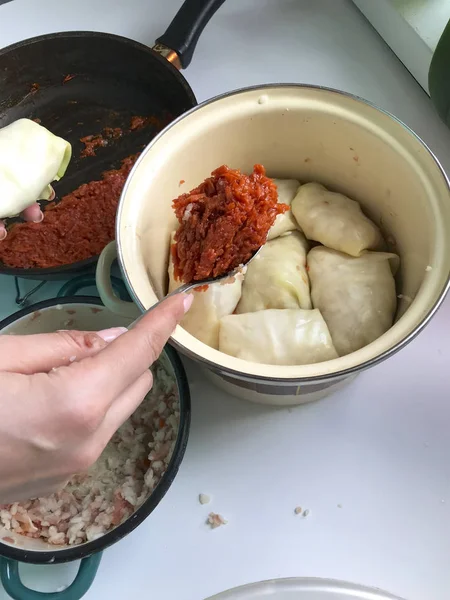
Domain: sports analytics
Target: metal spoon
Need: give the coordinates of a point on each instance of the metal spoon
(187, 287)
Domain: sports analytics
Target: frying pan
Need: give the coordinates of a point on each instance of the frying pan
(79, 82)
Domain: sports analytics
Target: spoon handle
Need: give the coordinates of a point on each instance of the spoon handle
(182, 289)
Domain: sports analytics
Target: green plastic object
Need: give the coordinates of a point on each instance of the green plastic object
(439, 76)
(10, 578)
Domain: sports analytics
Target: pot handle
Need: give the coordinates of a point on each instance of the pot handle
(10, 578)
(105, 288)
(73, 286)
(182, 34)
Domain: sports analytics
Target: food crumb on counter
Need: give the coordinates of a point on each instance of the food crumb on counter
(298, 510)
(214, 520)
(306, 512)
(204, 498)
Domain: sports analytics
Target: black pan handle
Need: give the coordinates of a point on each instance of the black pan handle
(189, 22)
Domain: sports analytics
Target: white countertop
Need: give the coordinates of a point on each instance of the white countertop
(380, 449)
(412, 28)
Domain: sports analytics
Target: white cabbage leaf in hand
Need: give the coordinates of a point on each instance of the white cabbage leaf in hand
(277, 337)
(276, 277)
(356, 296)
(334, 220)
(209, 306)
(31, 157)
(287, 188)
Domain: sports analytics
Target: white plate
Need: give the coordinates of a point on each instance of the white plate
(303, 589)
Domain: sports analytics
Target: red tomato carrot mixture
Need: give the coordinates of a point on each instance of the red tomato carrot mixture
(223, 222)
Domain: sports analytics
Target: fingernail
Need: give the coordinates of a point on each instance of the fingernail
(2, 233)
(109, 335)
(40, 218)
(187, 302)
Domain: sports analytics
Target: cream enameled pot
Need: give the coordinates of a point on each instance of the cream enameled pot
(311, 134)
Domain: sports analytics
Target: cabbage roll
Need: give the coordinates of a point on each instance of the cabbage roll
(334, 220)
(30, 159)
(276, 277)
(356, 296)
(287, 188)
(209, 306)
(277, 337)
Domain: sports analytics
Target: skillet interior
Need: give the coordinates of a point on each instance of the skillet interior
(78, 83)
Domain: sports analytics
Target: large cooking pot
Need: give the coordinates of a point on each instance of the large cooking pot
(86, 313)
(311, 134)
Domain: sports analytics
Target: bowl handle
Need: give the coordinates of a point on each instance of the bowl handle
(10, 578)
(105, 288)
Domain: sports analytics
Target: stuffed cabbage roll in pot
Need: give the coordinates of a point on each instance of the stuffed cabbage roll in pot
(287, 188)
(277, 337)
(209, 306)
(334, 220)
(276, 277)
(356, 296)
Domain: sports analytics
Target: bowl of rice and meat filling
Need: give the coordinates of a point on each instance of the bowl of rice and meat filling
(100, 506)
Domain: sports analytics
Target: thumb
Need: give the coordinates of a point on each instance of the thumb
(33, 213)
(28, 354)
(122, 363)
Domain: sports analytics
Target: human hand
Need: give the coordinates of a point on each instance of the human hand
(31, 158)
(63, 395)
(33, 213)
